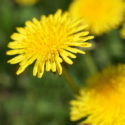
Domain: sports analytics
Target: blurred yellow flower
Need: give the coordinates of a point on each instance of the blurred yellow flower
(102, 100)
(48, 43)
(26, 2)
(101, 15)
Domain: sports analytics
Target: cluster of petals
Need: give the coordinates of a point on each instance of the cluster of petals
(48, 42)
(102, 99)
(101, 15)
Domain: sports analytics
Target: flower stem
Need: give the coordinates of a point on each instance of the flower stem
(70, 81)
(90, 63)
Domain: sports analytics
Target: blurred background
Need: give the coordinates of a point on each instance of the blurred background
(27, 100)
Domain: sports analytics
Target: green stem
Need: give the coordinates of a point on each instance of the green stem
(70, 81)
(90, 63)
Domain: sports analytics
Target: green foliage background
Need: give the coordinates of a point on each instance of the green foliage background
(27, 100)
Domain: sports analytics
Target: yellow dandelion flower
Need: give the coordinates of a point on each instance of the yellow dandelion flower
(102, 100)
(101, 15)
(48, 43)
(26, 2)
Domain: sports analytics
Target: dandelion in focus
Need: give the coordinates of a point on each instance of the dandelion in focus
(26, 2)
(101, 15)
(48, 43)
(102, 100)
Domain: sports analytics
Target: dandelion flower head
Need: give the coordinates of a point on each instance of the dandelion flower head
(102, 100)
(48, 42)
(101, 15)
(26, 2)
